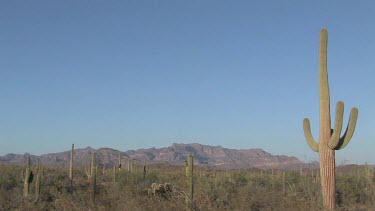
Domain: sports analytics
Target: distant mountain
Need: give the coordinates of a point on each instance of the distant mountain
(205, 155)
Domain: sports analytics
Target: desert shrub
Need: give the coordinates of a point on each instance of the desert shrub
(7, 180)
(354, 190)
(214, 190)
(256, 196)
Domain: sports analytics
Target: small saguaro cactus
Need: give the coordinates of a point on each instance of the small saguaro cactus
(37, 181)
(284, 183)
(93, 175)
(144, 170)
(190, 181)
(329, 139)
(186, 168)
(27, 178)
(114, 174)
(119, 161)
(91, 172)
(71, 166)
(88, 172)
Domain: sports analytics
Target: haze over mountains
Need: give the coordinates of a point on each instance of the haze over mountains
(205, 155)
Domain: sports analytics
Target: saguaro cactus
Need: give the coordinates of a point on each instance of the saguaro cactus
(329, 140)
(71, 166)
(37, 181)
(114, 174)
(27, 178)
(186, 168)
(144, 170)
(119, 161)
(91, 172)
(93, 176)
(88, 172)
(190, 180)
(284, 182)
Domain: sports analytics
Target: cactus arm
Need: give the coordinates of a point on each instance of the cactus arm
(309, 138)
(344, 140)
(335, 138)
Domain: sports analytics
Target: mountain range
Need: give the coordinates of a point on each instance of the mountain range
(204, 155)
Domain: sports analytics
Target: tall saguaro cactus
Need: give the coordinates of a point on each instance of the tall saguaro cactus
(27, 178)
(190, 180)
(329, 139)
(71, 166)
(37, 181)
(93, 176)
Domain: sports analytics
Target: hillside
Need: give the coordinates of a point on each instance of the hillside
(211, 156)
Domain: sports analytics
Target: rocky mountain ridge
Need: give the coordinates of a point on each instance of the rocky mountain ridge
(205, 155)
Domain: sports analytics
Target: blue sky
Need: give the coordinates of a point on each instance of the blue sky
(139, 74)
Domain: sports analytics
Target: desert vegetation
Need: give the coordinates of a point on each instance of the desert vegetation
(213, 189)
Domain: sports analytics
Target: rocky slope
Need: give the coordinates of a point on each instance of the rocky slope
(211, 156)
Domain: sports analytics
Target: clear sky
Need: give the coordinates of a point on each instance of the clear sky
(138, 74)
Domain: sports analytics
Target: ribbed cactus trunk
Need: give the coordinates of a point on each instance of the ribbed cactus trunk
(327, 155)
(27, 178)
(328, 175)
(329, 139)
(190, 179)
(93, 176)
(71, 166)
(38, 181)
